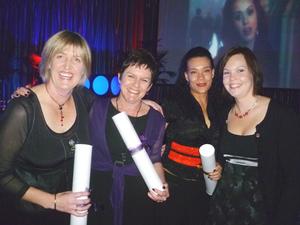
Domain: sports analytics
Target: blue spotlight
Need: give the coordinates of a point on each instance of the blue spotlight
(115, 85)
(100, 85)
(87, 84)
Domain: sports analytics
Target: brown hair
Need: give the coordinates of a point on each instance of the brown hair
(252, 64)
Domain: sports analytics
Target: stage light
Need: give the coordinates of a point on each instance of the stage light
(115, 85)
(87, 84)
(100, 85)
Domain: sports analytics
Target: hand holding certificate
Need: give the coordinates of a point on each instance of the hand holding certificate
(207, 154)
(138, 153)
(81, 175)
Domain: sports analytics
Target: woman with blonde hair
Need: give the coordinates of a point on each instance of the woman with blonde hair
(38, 134)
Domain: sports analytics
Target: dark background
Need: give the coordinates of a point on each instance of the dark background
(112, 27)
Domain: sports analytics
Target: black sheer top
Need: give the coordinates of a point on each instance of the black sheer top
(31, 154)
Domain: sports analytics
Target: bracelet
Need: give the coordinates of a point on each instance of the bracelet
(54, 201)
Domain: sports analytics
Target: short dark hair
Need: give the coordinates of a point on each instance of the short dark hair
(192, 53)
(252, 64)
(141, 57)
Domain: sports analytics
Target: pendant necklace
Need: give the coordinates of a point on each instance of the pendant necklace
(242, 115)
(60, 107)
(136, 115)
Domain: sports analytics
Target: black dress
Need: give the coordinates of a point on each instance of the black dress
(237, 199)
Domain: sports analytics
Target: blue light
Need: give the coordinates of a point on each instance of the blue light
(100, 85)
(115, 85)
(87, 84)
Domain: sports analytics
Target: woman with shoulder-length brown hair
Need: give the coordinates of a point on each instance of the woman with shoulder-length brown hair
(260, 183)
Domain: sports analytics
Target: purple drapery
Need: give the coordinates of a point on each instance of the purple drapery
(111, 27)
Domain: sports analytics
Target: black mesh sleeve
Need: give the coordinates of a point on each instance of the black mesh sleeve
(13, 131)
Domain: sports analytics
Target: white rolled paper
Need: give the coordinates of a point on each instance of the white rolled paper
(81, 175)
(140, 157)
(207, 154)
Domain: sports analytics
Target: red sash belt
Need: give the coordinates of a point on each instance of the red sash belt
(185, 155)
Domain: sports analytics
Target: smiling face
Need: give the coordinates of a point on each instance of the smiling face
(199, 75)
(237, 78)
(135, 82)
(66, 68)
(245, 19)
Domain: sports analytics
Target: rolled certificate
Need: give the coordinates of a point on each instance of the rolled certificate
(81, 175)
(138, 153)
(207, 154)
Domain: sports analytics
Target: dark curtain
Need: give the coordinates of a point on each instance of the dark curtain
(111, 27)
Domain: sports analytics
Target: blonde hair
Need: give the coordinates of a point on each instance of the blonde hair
(56, 44)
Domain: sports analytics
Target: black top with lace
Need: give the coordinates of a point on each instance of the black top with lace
(31, 154)
(238, 198)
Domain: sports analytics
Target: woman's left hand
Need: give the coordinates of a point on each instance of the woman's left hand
(159, 196)
(21, 91)
(75, 203)
(154, 105)
(216, 174)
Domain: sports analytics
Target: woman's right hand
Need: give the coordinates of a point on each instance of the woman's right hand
(75, 203)
(159, 196)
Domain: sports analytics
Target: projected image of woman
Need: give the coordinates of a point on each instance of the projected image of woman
(245, 24)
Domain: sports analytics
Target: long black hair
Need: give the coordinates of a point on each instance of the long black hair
(192, 53)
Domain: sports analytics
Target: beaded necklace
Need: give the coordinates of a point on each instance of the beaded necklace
(242, 115)
(60, 106)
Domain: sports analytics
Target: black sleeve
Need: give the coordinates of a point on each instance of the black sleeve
(289, 158)
(87, 96)
(13, 131)
(221, 119)
(170, 109)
